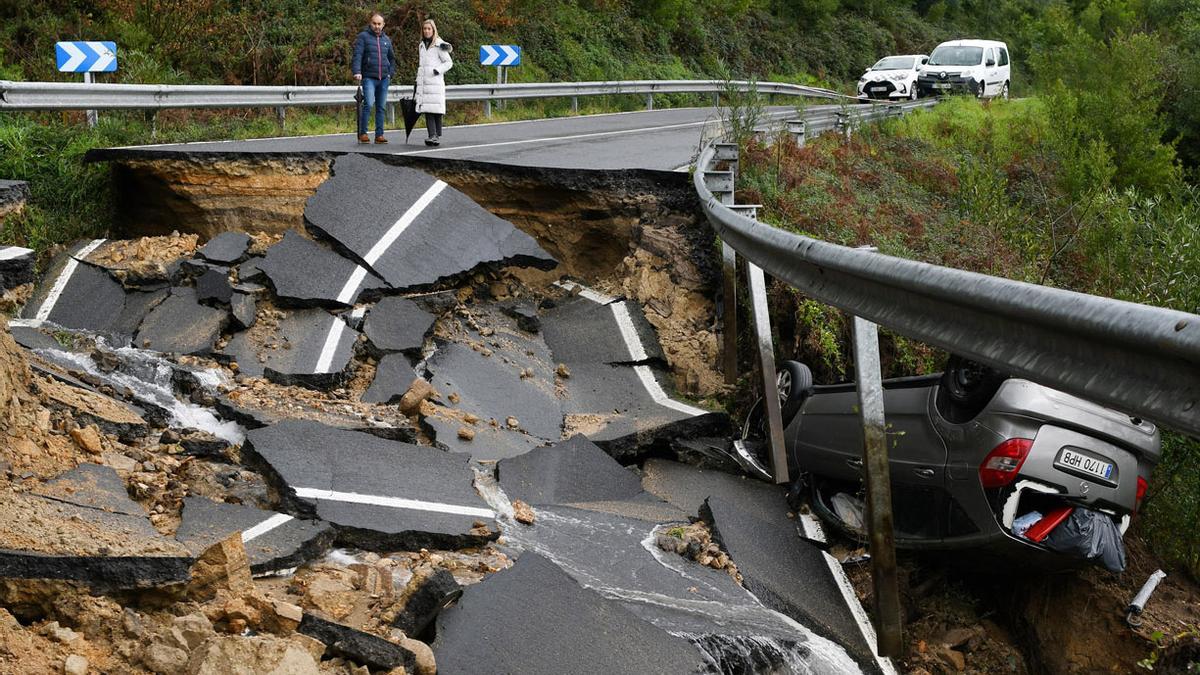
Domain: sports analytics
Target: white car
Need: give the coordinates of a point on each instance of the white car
(977, 67)
(892, 77)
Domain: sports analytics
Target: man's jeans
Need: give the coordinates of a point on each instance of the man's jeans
(374, 91)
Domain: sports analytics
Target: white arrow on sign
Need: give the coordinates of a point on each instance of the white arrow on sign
(77, 57)
(106, 57)
(510, 55)
(492, 55)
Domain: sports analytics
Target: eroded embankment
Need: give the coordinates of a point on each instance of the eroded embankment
(635, 233)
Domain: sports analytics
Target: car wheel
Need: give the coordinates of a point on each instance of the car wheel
(1004, 92)
(794, 381)
(966, 388)
(912, 93)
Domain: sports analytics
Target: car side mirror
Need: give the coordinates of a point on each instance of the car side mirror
(991, 62)
(924, 61)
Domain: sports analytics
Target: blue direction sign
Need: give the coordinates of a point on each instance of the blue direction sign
(499, 55)
(86, 57)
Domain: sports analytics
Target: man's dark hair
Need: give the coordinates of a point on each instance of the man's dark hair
(375, 14)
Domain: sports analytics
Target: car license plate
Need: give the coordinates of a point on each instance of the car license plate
(878, 88)
(941, 85)
(1070, 459)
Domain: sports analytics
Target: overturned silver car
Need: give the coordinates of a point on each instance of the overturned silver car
(977, 459)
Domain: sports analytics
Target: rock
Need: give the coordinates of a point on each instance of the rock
(223, 566)
(165, 659)
(63, 635)
(562, 370)
(957, 637)
(258, 654)
(523, 512)
(951, 658)
(194, 629)
(427, 593)
(424, 663)
(202, 443)
(512, 422)
(75, 665)
(287, 612)
(420, 391)
(466, 434)
(88, 439)
(330, 593)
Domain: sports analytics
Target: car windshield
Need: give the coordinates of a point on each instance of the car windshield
(956, 56)
(894, 63)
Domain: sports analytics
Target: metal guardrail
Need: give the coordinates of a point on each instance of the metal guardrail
(78, 96)
(1139, 359)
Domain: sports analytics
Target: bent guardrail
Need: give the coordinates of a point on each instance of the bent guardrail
(78, 96)
(1139, 359)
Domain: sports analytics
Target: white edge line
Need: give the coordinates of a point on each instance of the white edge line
(585, 292)
(637, 352)
(660, 397)
(12, 252)
(393, 502)
(402, 224)
(265, 526)
(812, 530)
(60, 284)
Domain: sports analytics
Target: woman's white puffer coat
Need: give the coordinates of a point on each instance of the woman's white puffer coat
(431, 86)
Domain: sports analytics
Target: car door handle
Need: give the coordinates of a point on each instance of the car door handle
(925, 473)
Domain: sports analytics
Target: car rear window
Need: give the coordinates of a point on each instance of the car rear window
(894, 63)
(1003, 56)
(956, 56)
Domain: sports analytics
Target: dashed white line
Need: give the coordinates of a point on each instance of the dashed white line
(393, 502)
(60, 284)
(265, 526)
(813, 530)
(10, 252)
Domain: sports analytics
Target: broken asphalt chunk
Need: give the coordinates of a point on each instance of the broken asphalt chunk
(574, 470)
(398, 325)
(411, 228)
(393, 376)
(534, 602)
(181, 325)
(227, 248)
(308, 347)
(16, 267)
(426, 595)
(485, 442)
(273, 541)
(92, 486)
(244, 308)
(213, 287)
(380, 494)
(76, 294)
(369, 650)
(304, 273)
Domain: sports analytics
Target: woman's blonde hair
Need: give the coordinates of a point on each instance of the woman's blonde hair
(435, 36)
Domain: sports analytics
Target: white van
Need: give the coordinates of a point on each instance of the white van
(978, 67)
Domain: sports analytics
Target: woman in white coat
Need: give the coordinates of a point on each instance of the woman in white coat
(434, 53)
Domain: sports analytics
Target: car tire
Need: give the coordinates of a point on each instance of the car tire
(912, 93)
(1004, 91)
(966, 388)
(794, 382)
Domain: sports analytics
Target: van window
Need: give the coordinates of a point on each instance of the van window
(1003, 57)
(956, 56)
(990, 55)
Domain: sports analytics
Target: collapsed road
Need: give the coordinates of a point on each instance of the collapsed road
(423, 442)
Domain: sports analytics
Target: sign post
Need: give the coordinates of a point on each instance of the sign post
(86, 58)
(500, 56)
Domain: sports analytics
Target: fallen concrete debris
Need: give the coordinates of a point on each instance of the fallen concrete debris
(413, 230)
(273, 541)
(306, 274)
(494, 623)
(379, 494)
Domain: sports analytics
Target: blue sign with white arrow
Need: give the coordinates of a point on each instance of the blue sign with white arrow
(86, 57)
(499, 55)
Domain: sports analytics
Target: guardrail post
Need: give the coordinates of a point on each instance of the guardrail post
(895, 110)
(487, 107)
(280, 115)
(574, 104)
(877, 476)
(92, 118)
(843, 124)
(798, 129)
(729, 320)
(152, 119)
(391, 114)
(649, 101)
(766, 358)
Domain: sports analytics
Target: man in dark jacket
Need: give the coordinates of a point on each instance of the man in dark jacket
(373, 64)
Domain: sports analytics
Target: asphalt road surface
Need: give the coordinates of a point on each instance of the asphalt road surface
(664, 140)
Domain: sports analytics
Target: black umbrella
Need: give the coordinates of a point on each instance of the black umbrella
(408, 110)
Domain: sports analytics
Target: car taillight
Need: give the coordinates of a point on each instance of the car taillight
(1001, 465)
(1142, 486)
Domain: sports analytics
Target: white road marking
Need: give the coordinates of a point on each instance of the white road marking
(11, 252)
(60, 284)
(265, 526)
(812, 530)
(350, 289)
(637, 351)
(393, 502)
(660, 397)
(584, 291)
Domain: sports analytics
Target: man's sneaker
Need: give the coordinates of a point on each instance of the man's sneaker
(363, 138)
(430, 141)
(436, 141)
(380, 139)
